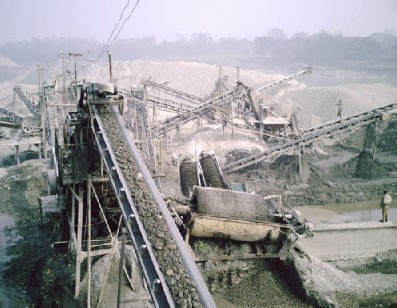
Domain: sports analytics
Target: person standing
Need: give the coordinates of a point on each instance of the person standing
(385, 204)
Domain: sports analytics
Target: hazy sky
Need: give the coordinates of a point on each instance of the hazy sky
(165, 19)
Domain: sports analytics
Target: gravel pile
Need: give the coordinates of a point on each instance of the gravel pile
(263, 288)
(329, 286)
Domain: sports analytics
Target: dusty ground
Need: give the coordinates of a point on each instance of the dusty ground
(333, 172)
(32, 273)
(339, 170)
(19, 188)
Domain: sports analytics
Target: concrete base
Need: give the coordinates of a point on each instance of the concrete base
(315, 261)
(350, 240)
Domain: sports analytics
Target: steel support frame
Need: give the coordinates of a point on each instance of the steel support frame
(76, 239)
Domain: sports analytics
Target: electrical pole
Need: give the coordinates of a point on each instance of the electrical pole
(110, 67)
(63, 73)
(75, 56)
(340, 107)
(40, 70)
(41, 120)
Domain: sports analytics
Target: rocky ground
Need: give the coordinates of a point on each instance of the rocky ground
(352, 168)
(355, 282)
(33, 274)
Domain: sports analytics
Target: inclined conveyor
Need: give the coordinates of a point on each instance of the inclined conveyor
(311, 135)
(157, 285)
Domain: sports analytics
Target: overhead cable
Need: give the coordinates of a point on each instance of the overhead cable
(115, 27)
(113, 37)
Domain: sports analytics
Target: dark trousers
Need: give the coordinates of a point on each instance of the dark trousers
(385, 209)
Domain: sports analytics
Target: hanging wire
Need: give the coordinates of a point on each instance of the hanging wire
(115, 27)
(111, 39)
(50, 65)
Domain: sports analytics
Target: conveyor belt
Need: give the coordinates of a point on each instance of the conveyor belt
(312, 135)
(181, 119)
(32, 108)
(9, 119)
(272, 84)
(191, 100)
(168, 105)
(172, 276)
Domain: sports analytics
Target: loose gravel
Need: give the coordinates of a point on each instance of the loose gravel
(168, 256)
(344, 283)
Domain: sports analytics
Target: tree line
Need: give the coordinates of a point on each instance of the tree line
(319, 48)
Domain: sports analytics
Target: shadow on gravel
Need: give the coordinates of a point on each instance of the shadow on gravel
(11, 160)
